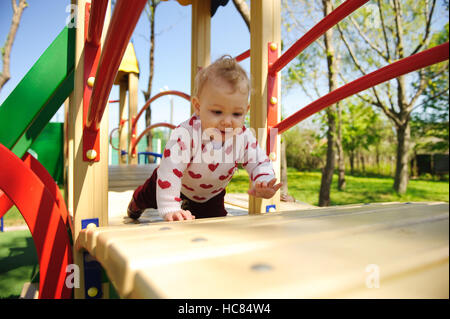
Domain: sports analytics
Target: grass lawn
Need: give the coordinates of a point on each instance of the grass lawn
(18, 262)
(304, 187)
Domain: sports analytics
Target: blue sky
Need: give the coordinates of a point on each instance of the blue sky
(44, 19)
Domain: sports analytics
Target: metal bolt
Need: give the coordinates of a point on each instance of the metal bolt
(273, 156)
(91, 154)
(92, 292)
(273, 100)
(261, 267)
(91, 226)
(273, 46)
(90, 81)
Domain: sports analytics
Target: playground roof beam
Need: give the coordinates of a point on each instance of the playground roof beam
(96, 21)
(122, 25)
(412, 63)
(319, 29)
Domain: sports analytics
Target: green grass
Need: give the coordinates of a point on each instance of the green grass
(18, 262)
(304, 187)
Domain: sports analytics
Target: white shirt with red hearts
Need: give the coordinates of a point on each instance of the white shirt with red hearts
(201, 169)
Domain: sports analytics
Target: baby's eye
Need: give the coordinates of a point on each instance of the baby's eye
(217, 112)
(237, 114)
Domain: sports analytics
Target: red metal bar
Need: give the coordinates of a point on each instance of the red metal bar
(113, 101)
(157, 96)
(414, 62)
(243, 56)
(125, 17)
(148, 129)
(96, 21)
(326, 23)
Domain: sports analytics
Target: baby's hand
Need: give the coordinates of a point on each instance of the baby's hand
(179, 215)
(265, 189)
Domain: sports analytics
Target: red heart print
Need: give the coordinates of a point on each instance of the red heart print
(177, 173)
(181, 144)
(166, 153)
(193, 175)
(188, 188)
(222, 177)
(213, 167)
(199, 198)
(229, 149)
(164, 184)
(206, 186)
(217, 190)
(178, 199)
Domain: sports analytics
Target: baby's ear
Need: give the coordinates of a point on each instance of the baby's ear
(196, 104)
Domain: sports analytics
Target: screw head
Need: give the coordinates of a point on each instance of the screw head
(92, 292)
(273, 46)
(90, 81)
(273, 156)
(91, 226)
(273, 100)
(91, 154)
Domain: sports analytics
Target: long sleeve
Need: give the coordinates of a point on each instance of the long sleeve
(255, 161)
(176, 157)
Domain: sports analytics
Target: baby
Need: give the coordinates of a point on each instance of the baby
(203, 152)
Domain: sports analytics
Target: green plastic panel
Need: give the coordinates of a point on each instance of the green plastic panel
(39, 94)
(49, 148)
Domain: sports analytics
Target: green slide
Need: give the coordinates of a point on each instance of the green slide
(38, 96)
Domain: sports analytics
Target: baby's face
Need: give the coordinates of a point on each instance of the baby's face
(220, 107)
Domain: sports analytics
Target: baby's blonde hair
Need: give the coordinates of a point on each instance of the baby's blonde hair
(225, 68)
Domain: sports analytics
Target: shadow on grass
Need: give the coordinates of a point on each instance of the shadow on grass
(18, 263)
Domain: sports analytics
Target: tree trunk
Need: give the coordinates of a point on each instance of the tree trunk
(148, 113)
(340, 151)
(243, 10)
(6, 50)
(352, 162)
(327, 173)
(284, 188)
(401, 169)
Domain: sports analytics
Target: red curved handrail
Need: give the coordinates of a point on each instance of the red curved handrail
(149, 128)
(110, 139)
(412, 63)
(44, 219)
(50, 184)
(157, 96)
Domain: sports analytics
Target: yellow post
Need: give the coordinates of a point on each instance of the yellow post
(88, 181)
(265, 27)
(123, 134)
(132, 110)
(201, 38)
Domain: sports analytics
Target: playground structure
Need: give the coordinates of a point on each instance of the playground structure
(409, 242)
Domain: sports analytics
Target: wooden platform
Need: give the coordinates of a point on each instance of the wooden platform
(128, 177)
(335, 252)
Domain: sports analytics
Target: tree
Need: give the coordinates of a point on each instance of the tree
(6, 49)
(305, 71)
(378, 34)
(430, 122)
(150, 11)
